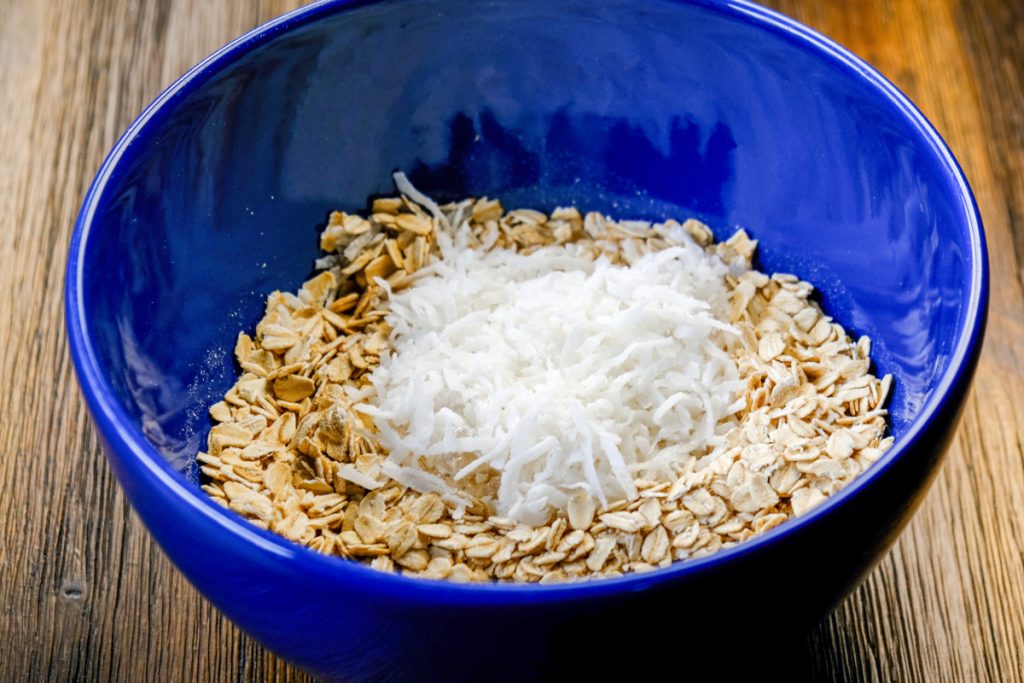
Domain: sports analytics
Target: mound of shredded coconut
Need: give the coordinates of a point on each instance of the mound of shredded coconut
(523, 379)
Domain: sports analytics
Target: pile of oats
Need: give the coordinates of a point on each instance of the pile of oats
(291, 454)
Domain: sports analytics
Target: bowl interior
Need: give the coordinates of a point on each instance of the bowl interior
(639, 109)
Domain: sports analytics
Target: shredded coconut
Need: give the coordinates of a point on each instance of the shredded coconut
(403, 185)
(527, 378)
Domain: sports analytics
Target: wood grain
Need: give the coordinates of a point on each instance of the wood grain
(85, 594)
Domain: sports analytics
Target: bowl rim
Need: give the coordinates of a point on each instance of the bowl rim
(135, 451)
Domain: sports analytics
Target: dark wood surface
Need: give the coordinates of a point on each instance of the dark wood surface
(86, 595)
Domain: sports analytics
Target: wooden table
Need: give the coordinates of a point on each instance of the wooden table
(84, 592)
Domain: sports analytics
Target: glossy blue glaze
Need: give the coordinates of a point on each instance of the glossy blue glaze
(640, 108)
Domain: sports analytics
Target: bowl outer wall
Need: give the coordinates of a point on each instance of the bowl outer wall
(259, 580)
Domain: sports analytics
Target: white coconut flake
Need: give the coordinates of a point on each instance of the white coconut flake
(350, 473)
(534, 376)
(403, 184)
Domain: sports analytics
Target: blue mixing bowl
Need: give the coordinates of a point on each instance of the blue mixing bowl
(639, 108)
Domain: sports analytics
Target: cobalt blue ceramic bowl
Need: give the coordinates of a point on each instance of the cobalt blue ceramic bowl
(640, 108)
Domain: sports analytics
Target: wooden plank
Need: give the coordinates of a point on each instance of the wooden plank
(85, 594)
